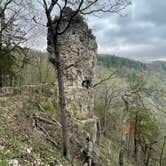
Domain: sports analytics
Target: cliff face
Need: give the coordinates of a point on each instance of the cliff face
(78, 56)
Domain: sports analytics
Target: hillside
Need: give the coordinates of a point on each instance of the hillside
(118, 62)
(30, 131)
(148, 81)
(31, 125)
(158, 66)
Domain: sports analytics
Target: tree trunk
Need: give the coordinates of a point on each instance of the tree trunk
(123, 141)
(147, 159)
(40, 70)
(123, 138)
(11, 80)
(63, 110)
(145, 155)
(135, 150)
(105, 121)
(105, 114)
(1, 78)
(1, 24)
(162, 150)
(98, 131)
(136, 142)
(129, 143)
(62, 102)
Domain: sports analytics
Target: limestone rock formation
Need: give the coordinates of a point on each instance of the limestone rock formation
(78, 56)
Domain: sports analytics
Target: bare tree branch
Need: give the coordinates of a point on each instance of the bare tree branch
(53, 3)
(71, 18)
(109, 7)
(105, 79)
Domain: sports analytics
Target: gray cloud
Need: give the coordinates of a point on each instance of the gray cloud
(139, 35)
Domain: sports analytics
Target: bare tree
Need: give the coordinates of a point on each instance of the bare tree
(123, 137)
(110, 93)
(57, 8)
(12, 36)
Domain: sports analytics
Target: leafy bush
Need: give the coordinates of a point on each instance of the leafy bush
(48, 106)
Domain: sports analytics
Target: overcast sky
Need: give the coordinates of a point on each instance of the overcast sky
(140, 35)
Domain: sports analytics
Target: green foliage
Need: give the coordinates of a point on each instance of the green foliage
(7, 60)
(3, 161)
(6, 66)
(136, 81)
(38, 69)
(14, 149)
(119, 62)
(44, 151)
(48, 106)
(50, 155)
(147, 127)
(23, 66)
(107, 152)
(144, 90)
(36, 149)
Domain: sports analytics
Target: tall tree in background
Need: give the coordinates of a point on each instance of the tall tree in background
(143, 124)
(54, 10)
(123, 137)
(12, 36)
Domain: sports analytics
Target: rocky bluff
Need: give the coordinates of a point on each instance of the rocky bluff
(78, 56)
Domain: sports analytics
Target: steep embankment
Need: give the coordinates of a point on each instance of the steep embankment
(27, 130)
(30, 126)
(30, 131)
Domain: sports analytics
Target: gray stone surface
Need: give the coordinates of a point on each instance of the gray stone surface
(77, 49)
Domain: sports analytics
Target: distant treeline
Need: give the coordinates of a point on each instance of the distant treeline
(117, 62)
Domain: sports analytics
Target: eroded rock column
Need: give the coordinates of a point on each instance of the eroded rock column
(78, 56)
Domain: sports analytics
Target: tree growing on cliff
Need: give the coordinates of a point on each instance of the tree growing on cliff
(54, 10)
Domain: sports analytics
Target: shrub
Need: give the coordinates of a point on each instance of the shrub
(48, 106)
